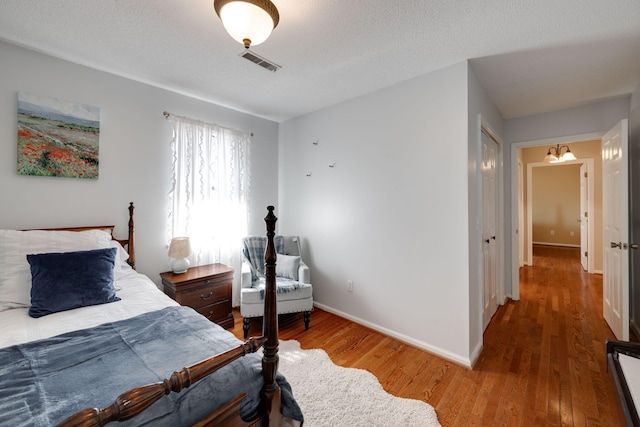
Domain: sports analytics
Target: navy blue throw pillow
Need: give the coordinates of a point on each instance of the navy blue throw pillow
(65, 280)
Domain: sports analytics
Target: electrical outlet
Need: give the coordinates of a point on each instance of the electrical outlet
(553, 232)
(349, 285)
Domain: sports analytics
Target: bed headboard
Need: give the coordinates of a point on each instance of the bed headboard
(128, 243)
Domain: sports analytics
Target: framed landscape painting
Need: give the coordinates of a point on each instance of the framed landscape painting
(57, 138)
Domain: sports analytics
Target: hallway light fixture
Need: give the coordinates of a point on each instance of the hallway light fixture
(249, 22)
(555, 155)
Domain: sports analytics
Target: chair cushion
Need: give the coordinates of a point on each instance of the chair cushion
(254, 295)
(287, 266)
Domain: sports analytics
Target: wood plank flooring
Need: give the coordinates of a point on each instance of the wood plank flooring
(543, 362)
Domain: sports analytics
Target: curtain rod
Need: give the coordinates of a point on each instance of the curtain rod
(167, 114)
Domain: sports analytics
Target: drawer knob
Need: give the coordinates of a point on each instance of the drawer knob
(210, 314)
(206, 297)
(208, 281)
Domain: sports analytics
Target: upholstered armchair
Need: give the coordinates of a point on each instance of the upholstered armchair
(294, 291)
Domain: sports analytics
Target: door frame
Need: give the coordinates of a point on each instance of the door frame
(515, 268)
(521, 260)
(590, 207)
(585, 216)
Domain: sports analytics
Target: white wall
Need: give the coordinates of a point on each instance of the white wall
(391, 215)
(593, 118)
(134, 154)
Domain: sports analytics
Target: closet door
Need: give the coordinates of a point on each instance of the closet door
(489, 227)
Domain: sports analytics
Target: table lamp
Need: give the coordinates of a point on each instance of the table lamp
(179, 251)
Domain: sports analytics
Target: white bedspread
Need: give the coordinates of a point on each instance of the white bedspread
(138, 295)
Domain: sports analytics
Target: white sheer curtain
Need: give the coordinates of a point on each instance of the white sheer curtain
(209, 195)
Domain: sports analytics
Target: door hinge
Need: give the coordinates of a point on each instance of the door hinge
(585, 174)
(586, 253)
(586, 214)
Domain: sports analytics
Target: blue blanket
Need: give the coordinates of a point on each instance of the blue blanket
(43, 382)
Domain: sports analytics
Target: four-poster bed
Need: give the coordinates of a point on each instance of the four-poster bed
(113, 361)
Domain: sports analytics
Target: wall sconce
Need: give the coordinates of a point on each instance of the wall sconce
(249, 22)
(180, 250)
(555, 155)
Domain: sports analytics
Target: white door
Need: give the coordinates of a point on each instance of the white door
(489, 226)
(521, 213)
(584, 219)
(615, 216)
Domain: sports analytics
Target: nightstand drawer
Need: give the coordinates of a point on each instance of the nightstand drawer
(206, 288)
(207, 294)
(215, 311)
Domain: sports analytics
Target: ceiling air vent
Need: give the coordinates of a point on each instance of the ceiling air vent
(257, 59)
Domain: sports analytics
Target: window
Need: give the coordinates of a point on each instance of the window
(210, 188)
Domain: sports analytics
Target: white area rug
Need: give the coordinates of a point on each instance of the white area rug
(333, 396)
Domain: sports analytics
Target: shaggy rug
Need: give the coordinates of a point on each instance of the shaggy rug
(330, 395)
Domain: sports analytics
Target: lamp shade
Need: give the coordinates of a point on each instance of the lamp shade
(180, 247)
(180, 250)
(250, 22)
(550, 158)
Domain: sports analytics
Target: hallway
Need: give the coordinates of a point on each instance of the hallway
(556, 335)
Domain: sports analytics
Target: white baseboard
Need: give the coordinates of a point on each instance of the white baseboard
(567, 245)
(475, 354)
(436, 351)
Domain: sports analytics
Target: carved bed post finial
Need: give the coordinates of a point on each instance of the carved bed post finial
(131, 247)
(270, 324)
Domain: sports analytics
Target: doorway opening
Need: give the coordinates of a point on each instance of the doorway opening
(560, 206)
(587, 148)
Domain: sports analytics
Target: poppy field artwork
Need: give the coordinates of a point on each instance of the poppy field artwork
(57, 138)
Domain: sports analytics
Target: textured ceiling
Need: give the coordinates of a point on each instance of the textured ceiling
(531, 56)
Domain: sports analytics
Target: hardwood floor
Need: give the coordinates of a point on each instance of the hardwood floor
(543, 362)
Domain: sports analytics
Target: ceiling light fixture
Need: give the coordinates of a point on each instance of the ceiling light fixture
(250, 22)
(555, 155)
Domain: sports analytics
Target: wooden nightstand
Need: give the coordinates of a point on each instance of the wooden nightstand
(206, 288)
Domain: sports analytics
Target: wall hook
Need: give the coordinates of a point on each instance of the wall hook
(332, 165)
(316, 142)
(308, 173)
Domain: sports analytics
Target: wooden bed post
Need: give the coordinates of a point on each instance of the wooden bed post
(131, 247)
(270, 357)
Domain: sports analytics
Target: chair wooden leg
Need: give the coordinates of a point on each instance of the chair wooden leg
(307, 318)
(245, 325)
